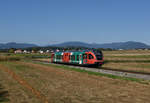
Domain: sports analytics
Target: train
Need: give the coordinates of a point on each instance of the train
(83, 58)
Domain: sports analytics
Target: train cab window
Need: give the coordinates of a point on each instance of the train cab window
(90, 56)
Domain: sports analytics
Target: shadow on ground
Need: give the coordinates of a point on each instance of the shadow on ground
(3, 95)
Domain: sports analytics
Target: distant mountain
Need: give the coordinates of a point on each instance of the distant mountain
(16, 45)
(118, 45)
(72, 43)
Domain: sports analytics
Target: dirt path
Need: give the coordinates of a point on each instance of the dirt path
(24, 83)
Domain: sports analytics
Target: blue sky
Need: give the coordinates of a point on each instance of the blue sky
(94, 21)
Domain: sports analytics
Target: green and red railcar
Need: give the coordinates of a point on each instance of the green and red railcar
(87, 58)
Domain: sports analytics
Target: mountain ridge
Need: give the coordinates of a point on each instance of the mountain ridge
(115, 45)
(16, 45)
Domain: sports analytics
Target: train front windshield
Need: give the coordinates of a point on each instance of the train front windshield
(99, 57)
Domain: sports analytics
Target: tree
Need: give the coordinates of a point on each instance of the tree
(35, 49)
(12, 50)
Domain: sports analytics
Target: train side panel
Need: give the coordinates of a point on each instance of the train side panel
(80, 58)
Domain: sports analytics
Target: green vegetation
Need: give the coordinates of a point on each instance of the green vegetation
(17, 57)
(9, 58)
(11, 50)
(30, 56)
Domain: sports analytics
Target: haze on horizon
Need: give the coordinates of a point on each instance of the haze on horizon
(46, 22)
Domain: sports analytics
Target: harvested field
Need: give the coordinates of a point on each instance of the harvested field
(126, 52)
(139, 67)
(3, 94)
(132, 60)
(17, 93)
(63, 86)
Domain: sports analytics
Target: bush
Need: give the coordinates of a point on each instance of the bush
(9, 58)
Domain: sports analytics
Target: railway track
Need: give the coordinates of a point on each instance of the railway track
(122, 73)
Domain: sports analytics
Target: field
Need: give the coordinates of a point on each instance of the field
(132, 60)
(24, 81)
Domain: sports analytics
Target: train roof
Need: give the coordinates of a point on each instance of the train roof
(95, 51)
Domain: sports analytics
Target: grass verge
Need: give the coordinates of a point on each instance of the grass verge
(96, 73)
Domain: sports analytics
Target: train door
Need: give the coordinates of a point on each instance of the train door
(90, 58)
(85, 58)
(52, 57)
(63, 57)
(67, 57)
(80, 59)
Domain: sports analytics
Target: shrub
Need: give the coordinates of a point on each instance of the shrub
(9, 58)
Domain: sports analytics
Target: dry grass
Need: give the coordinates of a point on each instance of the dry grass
(133, 60)
(63, 86)
(3, 94)
(138, 67)
(17, 93)
(126, 52)
(47, 60)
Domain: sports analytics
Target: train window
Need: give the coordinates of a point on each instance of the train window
(58, 56)
(72, 57)
(90, 56)
(77, 57)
